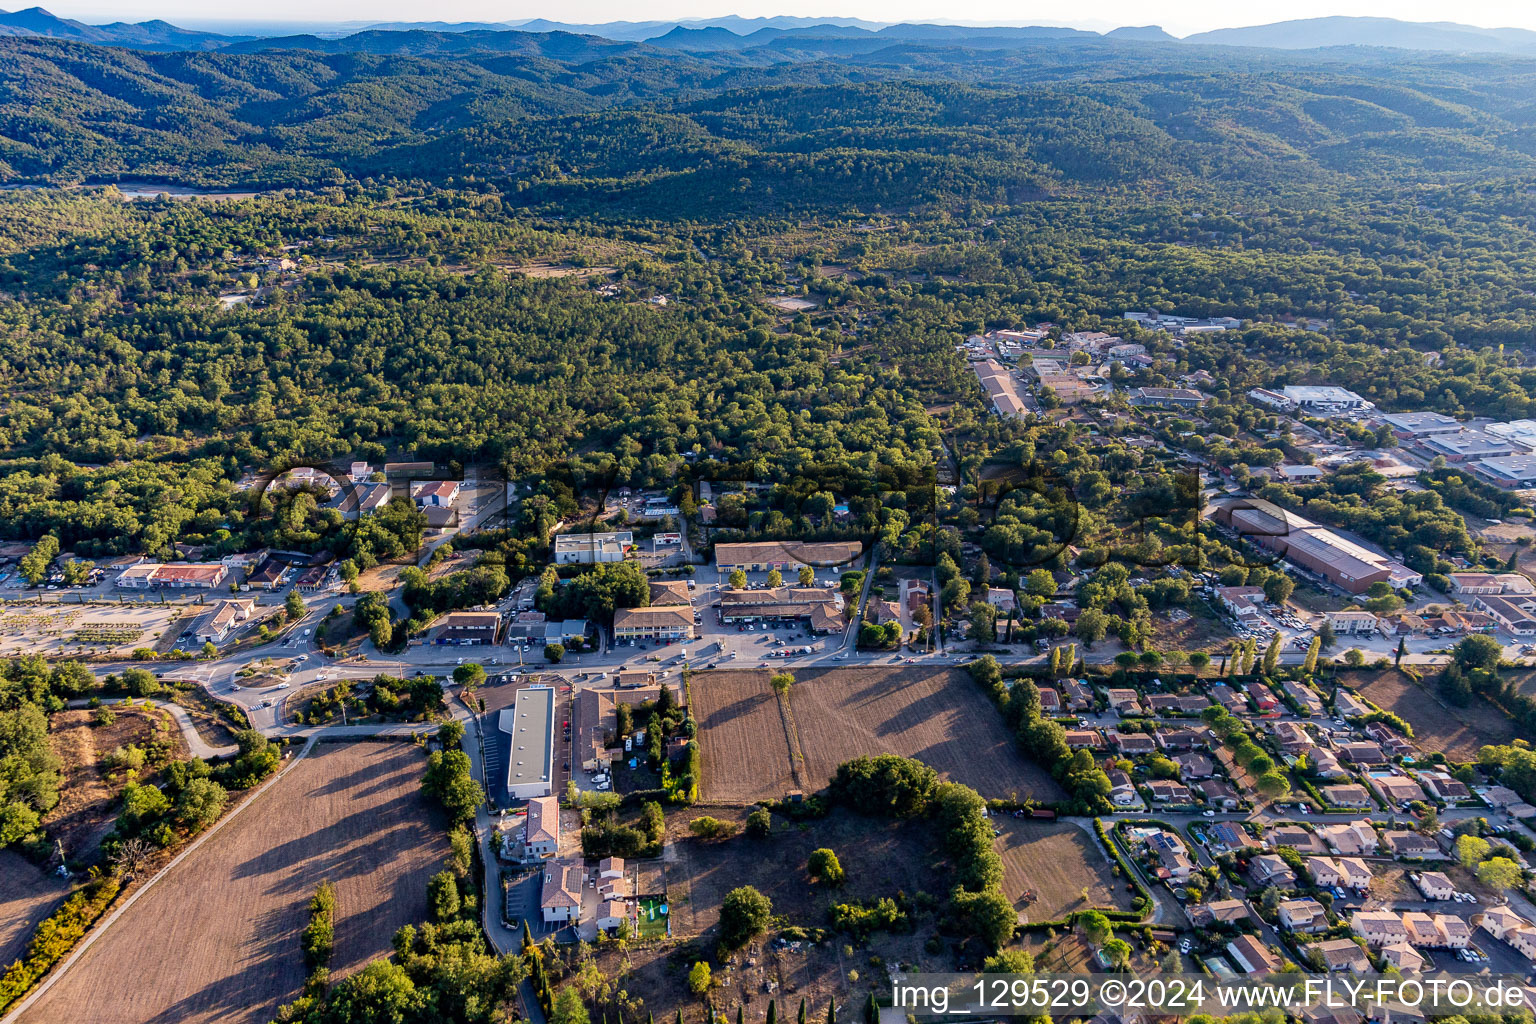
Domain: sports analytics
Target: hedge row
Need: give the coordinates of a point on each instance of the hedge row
(56, 936)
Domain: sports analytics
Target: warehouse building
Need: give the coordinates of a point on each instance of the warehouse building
(526, 731)
(1344, 563)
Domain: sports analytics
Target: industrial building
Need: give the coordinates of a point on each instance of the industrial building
(527, 732)
(1511, 472)
(1341, 561)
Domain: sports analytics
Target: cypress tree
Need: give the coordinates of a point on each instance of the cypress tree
(800, 1018)
(773, 1011)
(871, 1011)
(831, 1011)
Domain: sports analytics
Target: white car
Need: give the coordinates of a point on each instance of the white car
(282, 686)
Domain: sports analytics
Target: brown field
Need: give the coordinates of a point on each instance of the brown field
(217, 939)
(882, 858)
(1437, 726)
(27, 895)
(87, 807)
(936, 715)
(1057, 862)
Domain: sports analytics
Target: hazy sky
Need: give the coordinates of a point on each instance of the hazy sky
(1178, 16)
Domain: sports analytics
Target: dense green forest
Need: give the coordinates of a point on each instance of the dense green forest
(157, 352)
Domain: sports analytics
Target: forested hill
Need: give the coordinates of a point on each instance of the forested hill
(580, 120)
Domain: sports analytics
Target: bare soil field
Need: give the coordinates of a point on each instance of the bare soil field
(27, 895)
(87, 807)
(217, 939)
(936, 715)
(1437, 726)
(1056, 862)
(882, 858)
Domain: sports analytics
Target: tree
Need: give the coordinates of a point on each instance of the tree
(1199, 661)
(1472, 850)
(1278, 588)
(1326, 637)
(469, 676)
(775, 578)
(1009, 961)
(34, 564)
(1402, 649)
(743, 913)
(738, 579)
(200, 803)
(1272, 655)
(210, 649)
(1118, 952)
(759, 823)
(1274, 785)
(553, 653)
(1354, 657)
(782, 682)
(807, 576)
(568, 1008)
(1499, 873)
(1309, 664)
(825, 868)
(1040, 583)
(1096, 927)
(443, 896)
(294, 605)
(1477, 652)
(699, 978)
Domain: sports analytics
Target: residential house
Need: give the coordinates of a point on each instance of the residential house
(1344, 955)
(1292, 737)
(1397, 790)
(1356, 839)
(1506, 925)
(1126, 702)
(1262, 696)
(1194, 766)
(1231, 835)
(1404, 957)
(1303, 696)
(1325, 871)
(1326, 764)
(471, 629)
(1443, 787)
(1050, 701)
(1454, 931)
(1421, 929)
(1170, 852)
(612, 915)
(610, 867)
(1500, 797)
(1435, 885)
(1078, 694)
(1228, 698)
(1296, 837)
(1133, 742)
(1122, 791)
(1218, 912)
(1166, 791)
(541, 827)
(1084, 739)
(1218, 793)
(1252, 956)
(1346, 796)
(1361, 752)
(1412, 845)
(1002, 599)
(1269, 869)
(1356, 872)
(1391, 743)
(1378, 927)
(1184, 739)
(1303, 915)
(1348, 705)
(560, 898)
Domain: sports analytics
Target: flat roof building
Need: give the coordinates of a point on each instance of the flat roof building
(1324, 398)
(1467, 445)
(1168, 398)
(590, 548)
(1510, 472)
(528, 728)
(1409, 425)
